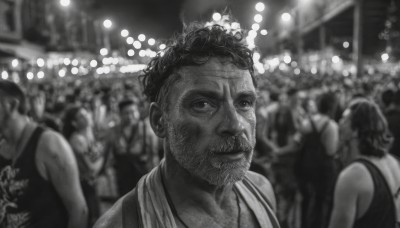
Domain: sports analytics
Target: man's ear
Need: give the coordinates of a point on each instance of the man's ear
(157, 120)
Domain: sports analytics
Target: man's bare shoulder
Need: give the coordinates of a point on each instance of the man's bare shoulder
(112, 218)
(264, 185)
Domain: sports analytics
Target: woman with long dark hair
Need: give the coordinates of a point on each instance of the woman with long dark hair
(367, 190)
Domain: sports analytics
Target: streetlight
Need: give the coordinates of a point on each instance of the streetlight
(4, 75)
(137, 44)
(40, 62)
(216, 16)
(14, 63)
(65, 3)
(131, 52)
(335, 59)
(142, 53)
(264, 32)
(40, 74)
(346, 44)
(107, 23)
(286, 17)
(141, 37)
(260, 7)
(252, 34)
(129, 40)
(124, 33)
(93, 63)
(385, 57)
(151, 41)
(258, 18)
(103, 51)
(255, 27)
(29, 75)
(287, 59)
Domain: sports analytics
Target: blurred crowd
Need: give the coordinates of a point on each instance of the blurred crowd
(106, 124)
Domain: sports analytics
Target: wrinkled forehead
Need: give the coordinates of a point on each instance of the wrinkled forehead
(215, 70)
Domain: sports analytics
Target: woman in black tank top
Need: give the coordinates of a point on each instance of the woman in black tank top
(364, 198)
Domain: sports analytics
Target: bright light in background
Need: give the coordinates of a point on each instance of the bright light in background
(40, 62)
(124, 33)
(100, 70)
(67, 61)
(107, 23)
(142, 37)
(264, 32)
(131, 52)
(151, 41)
(255, 26)
(137, 44)
(107, 70)
(40, 74)
(115, 61)
(162, 46)
(14, 63)
(335, 59)
(385, 57)
(346, 44)
(314, 70)
(286, 17)
(256, 56)
(74, 70)
(75, 62)
(260, 7)
(252, 34)
(258, 18)
(216, 16)
(142, 53)
(103, 51)
(62, 73)
(297, 71)
(129, 40)
(29, 75)
(153, 54)
(287, 59)
(235, 25)
(93, 63)
(65, 3)
(4, 75)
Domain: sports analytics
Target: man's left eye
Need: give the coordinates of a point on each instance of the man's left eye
(245, 104)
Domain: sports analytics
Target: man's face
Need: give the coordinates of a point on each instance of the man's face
(129, 115)
(211, 121)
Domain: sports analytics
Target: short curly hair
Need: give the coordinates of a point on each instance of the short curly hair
(370, 124)
(195, 46)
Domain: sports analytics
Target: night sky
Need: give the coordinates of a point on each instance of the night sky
(162, 18)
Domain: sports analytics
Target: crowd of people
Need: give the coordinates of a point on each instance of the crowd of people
(321, 149)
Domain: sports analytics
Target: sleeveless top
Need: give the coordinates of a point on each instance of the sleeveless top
(26, 199)
(381, 212)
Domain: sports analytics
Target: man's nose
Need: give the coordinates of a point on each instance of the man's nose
(232, 123)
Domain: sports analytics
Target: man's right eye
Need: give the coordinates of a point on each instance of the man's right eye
(202, 106)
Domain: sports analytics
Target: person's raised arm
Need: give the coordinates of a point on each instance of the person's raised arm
(61, 170)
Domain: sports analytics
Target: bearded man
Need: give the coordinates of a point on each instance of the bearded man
(202, 92)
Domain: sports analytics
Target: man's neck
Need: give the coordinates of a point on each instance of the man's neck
(187, 189)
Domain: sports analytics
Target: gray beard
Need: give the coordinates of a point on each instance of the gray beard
(206, 165)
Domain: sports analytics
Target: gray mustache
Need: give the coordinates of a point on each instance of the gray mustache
(231, 144)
